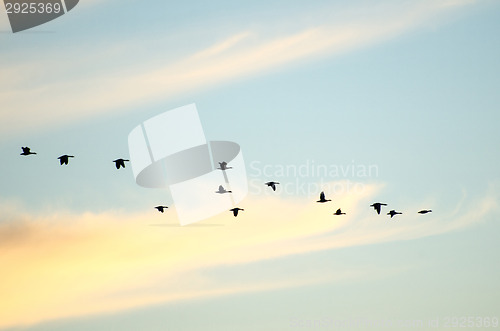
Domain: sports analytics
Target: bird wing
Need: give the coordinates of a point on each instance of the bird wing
(377, 208)
(221, 188)
(322, 196)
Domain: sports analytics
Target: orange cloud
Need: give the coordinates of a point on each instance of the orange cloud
(67, 265)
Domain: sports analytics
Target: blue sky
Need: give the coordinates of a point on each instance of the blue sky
(407, 87)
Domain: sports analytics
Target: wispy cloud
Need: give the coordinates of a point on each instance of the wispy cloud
(63, 98)
(64, 265)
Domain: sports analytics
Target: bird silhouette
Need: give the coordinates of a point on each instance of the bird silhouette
(338, 212)
(322, 197)
(272, 185)
(63, 159)
(377, 206)
(120, 163)
(425, 211)
(222, 190)
(223, 166)
(235, 211)
(161, 208)
(393, 212)
(26, 151)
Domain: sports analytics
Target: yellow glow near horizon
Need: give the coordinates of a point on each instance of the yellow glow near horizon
(61, 266)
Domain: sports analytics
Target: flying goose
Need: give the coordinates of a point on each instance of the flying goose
(120, 163)
(338, 212)
(322, 198)
(161, 208)
(272, 185)
(63, 159)
(393, 212)
(222, 190)
(235, 211)
(223, 166)
(26, 151)
(377, 206)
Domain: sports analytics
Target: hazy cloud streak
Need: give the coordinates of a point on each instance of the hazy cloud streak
(65, 98)
(67, 265)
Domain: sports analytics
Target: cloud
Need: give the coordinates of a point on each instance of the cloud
(62, 94)
(64, 265)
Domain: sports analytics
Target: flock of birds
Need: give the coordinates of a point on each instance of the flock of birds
(64, 159)
(377, 206)
(120, 163)
(322, 199)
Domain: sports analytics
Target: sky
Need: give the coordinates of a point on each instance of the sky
(388, 101)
